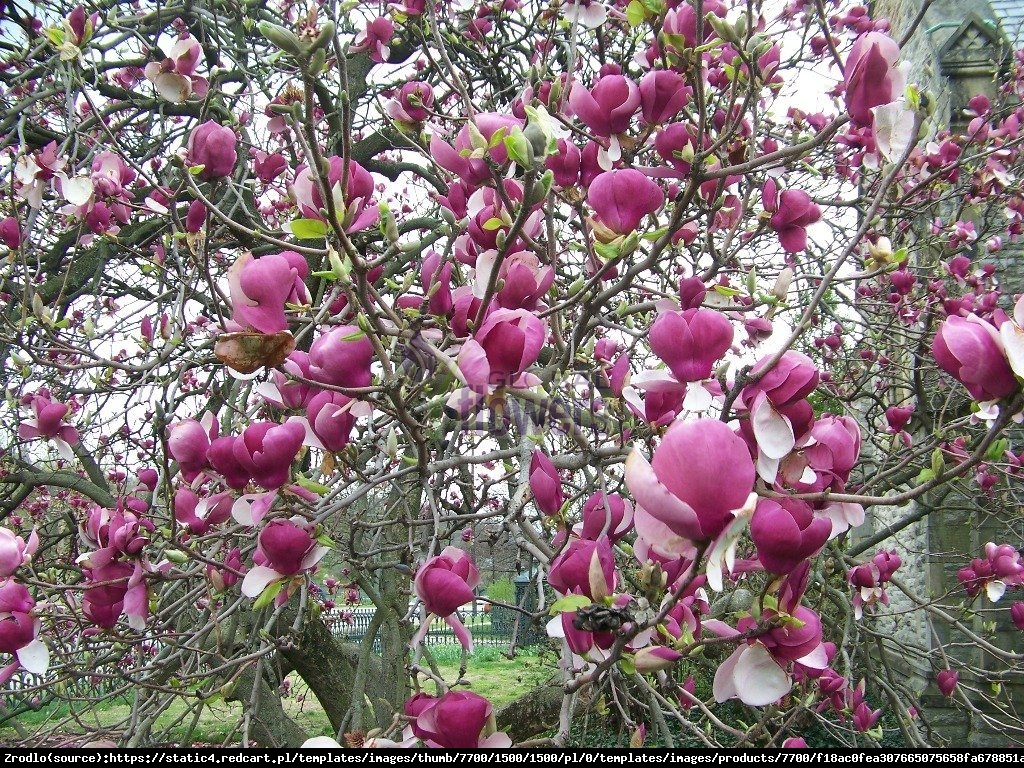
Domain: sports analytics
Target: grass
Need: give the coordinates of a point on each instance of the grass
(489, 673)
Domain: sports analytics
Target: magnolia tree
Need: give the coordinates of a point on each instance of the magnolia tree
(670, 295)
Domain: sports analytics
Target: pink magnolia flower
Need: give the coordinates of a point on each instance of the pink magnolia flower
(200, 515)
(226, 577)
(174, 78)
(212, 146)
(115, 533)
(375, 39)
(605, 514)
(341, 357)
(607, 108)
(47, 422)
(443, 583)
(872, 77)
(971, 351)
(691, 342)
(113, 589)
(589, 646)
(655, 658)
(458, 720)
(864, 718)
(15, 551)
(524, 282)
(545, 484)
(261, 287)
(195, 219)
(284, 391)
(584, 567)
(699, 474)
(565, 164)
(436, 279)
(268, 167)
(19, 629)
(331, 417)
(663, 93)
(188, 442)
(832, 451)
(463, 157)
(792, 212)
(794, 742)
(786, 532)
(756, 671)
(511, 340)
(946, 680)
(354, 206)
(265, 450)
(1000, 568)
(412, 103)
(222, 459)
(622, 198)
(285, 549)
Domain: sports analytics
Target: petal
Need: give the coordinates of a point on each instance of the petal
(656, 499)
(257, 579)
(772, 430)
(34, 657)
(758, 679)
(724, 687)
(1013, 342)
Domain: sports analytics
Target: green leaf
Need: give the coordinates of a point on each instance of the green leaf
(568, 604)
(195, 170)
(267, 595)
(493, 223)
(309, 485)
(924, 476)
(626, 665)
(997, 449)
(607, 251)
(635, 13)
(309, 229)
(55, 35)
(724, 290)
(938, 463)
(325, 541)
(354, 336)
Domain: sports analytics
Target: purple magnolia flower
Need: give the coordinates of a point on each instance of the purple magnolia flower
(622, 198)
(443, 583)
(47, 422)
(691, 342)
(265, 450)
(584, 567)
(268, 167)
(699, 474)
(226, 577)
(605, 514)
(355, 207)
(457, 720)
(655, 658)
(872, 77)
(792, 212)
(341, 357)
(282, 390)
(786, 533)
(663, 93)
(946, 680)
(607, 108)
(971, 351)
(545, 484)
(261, 287)
(1017, 615)
(10, 232)
(196, 217)
(212, 146)
(833, 451)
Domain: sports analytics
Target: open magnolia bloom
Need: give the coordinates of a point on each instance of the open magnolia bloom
(444, 583)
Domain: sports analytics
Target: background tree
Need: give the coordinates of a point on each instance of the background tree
(330, 277)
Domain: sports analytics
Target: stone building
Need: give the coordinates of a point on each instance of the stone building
(959, 49)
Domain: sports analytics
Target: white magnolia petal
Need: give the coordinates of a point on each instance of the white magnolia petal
(258, 579)
(724, 687)
(772, 430)
(35, 657)
(995, 590)
(1013, 342)
(758, 679)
